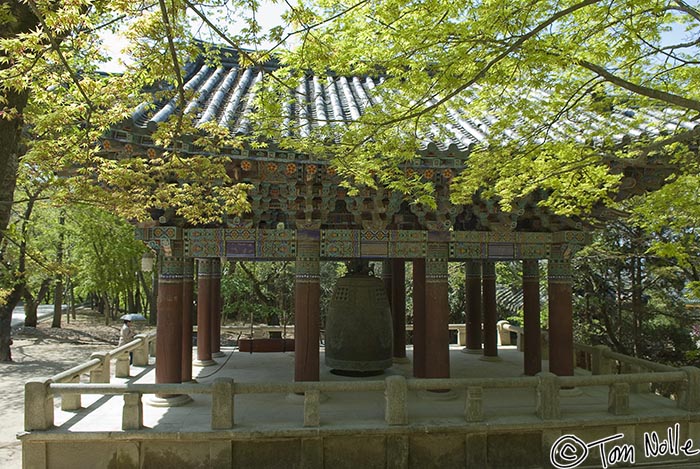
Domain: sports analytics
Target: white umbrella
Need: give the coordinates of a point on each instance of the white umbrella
(133, 317)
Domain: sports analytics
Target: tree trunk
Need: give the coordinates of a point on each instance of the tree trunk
(6, 323)
(10, 150)
(71, 300)
(58, 295)
(130, 301)
(31, 304)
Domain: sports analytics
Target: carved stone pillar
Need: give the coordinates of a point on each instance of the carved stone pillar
(473, 306)
(490, 311)
(307, 311)
(204, 316)
(531, 323)
(398, 309)
(419, 355)
(216, 308)
(187, 312)
(561, 338)
(437, 308)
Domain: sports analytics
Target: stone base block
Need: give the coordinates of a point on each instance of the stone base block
(437, 396)
(203, 363)
(170, 401)
(486, 358)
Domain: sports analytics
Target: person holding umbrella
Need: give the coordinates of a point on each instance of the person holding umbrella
(127, 334)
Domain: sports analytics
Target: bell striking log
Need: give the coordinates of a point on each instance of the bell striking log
(358, 326)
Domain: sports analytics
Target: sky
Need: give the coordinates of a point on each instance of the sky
(269, 16)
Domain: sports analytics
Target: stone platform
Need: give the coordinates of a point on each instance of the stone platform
(269, 429)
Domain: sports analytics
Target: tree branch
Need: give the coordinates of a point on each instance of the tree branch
(173, 56)
(57, 48)
(641, 90)
(486, 68)
(688, 9)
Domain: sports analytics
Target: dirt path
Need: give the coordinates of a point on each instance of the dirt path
(44, 352)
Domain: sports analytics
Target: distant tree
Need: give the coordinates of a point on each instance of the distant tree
(630, 298)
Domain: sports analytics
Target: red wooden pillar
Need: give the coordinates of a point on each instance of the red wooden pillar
(169, 329)
(388, 283)
(531, 323)
(419, 357)
(490, 312)
(307, 311)
(561, 336)
(216, 308)
(473, 306)
(398, 309)
(437, 309)
(204, 296)
(187, 312)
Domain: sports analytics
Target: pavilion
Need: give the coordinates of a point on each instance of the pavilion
(299, 213)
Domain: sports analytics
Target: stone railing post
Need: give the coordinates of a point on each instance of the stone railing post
(600, 364)
(619, 399)
(101, 374)
(38, 404)
(132, 413)
(503, 335)
(544, 346)
(312, 408)
(222, 404)
(141, 353)
(690, 397)
(635, 388)
(122, 366)
(473, 405)
(152, 346)
(396, 393)
(521, 340)
(71, 401)
(548, 407)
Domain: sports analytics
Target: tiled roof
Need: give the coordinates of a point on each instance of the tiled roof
(226, 93)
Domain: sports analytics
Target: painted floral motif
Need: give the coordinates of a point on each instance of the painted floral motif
(429, 173)
(151, 153)
(246, 165)
(291, 169)
(128, 148)
(447, 173)
(272, 167)
(106, 145)
(311, 169)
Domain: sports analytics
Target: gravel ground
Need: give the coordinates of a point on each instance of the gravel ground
(45, 351)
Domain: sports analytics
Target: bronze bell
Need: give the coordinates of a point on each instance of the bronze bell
(358, 326)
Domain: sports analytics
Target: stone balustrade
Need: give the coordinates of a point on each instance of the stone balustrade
(39, 394)
(264, 330)
(38, 412)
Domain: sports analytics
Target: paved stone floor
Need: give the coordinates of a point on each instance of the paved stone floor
(346, 409)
